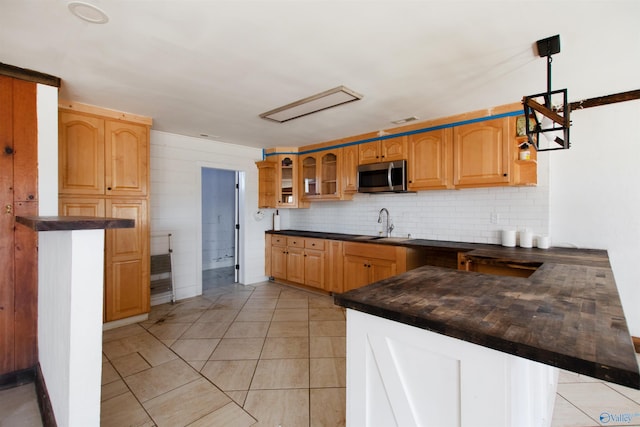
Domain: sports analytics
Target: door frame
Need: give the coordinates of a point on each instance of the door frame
(240, 208)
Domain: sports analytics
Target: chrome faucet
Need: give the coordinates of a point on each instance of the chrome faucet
(389, 226)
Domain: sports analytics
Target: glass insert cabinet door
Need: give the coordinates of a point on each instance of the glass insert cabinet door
(286, 181)
(309, 176)
(329, 176)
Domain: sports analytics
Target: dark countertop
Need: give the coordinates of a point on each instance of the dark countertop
(68, 223)
(567, 314)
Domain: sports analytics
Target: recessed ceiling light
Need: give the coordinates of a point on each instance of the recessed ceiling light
(312, 104)
(88, 12)
(405, 120)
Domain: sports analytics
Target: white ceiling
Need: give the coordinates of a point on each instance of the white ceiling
(211, 67)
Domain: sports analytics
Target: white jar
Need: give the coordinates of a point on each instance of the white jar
(508, 238)
(544, 242)
(526, 239)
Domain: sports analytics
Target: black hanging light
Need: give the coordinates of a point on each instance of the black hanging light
(547, 114)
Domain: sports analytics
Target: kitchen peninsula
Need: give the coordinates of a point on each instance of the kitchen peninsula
(482, 348)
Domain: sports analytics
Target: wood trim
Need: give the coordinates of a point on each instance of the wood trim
(17, 378)
(29, 75)
(104, 112)
(44, 402)
(604, 100)
(636, 343)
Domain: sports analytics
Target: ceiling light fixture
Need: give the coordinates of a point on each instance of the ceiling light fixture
(548, 113)
(88, 12)
(312, 104)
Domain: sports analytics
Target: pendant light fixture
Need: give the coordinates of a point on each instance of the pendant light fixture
(546, 114)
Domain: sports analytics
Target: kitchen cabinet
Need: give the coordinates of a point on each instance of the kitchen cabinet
(430, 160)
(266, 184)
(365, 263)
(385, 150)
(100, 156)
(287, 185)
(104, 171)
(482, 153)
(349, 169)
(127, 289)
(334, 266)
(298, 260)
(320, 174)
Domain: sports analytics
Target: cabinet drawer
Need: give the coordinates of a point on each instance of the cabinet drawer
(369, 250)
(295, 242)
(278, 241)
(317, 244)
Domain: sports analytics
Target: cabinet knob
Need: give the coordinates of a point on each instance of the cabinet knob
(109, 188)
(504, 174)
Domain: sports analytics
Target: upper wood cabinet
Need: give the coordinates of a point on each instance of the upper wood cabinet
(430, 163)
(385, 150)
(266, 184)
(349, 169)
(287, 185)
(81, 152)
(320, 175)
(482, 153)
(99, 156)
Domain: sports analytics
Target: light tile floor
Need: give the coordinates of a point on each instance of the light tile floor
(263, 355)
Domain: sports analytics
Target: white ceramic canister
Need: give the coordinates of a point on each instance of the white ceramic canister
(543, 242)
(509, 238)
(526, 239)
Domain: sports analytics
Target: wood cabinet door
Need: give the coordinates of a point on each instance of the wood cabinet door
(356, 272)
(309, 177)
(329, 174)
(279, 262)
(430, 160)
(295, 264)
(80, 154)
(266, 184)
(482, 153)
(349, 168)
(127, 260)
(369, 152)
(380, 269)
(126, 159)
(314, 268)
(334, 266)
(393, 149)
(73, 206)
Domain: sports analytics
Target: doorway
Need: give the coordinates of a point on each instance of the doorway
(220, 228)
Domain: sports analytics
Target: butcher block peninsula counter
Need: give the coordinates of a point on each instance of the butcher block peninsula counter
(420, 336)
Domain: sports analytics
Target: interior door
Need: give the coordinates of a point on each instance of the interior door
(18, 245)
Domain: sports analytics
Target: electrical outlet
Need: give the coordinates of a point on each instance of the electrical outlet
(494, 218)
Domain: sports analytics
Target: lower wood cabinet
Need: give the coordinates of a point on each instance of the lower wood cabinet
(336, 266)
(367, 263)
(126, 274)
(297, 260)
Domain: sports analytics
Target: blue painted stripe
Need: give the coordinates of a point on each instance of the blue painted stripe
(411, 132)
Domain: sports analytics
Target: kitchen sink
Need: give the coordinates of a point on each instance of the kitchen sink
(368, 237)
(381, 238)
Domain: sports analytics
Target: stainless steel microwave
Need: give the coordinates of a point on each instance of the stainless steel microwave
(383, 177)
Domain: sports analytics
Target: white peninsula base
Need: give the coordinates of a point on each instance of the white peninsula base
(400, 375)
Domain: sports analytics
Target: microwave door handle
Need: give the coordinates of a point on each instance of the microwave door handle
(389, 176)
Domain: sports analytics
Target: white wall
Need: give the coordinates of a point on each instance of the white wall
(218, 218)
(176, 164)
(47, 109)
(594, 196)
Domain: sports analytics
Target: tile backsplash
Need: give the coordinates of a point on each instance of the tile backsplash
(468, 215)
